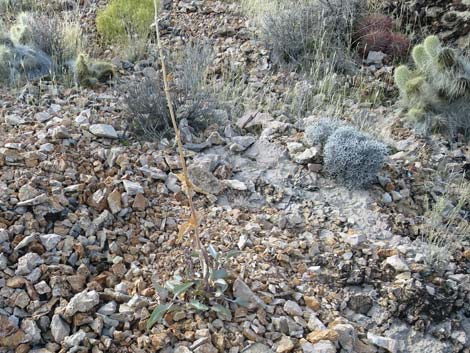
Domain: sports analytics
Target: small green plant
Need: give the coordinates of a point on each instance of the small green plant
(196, 294)
(126, 23)
(318, 132)
(436, 94)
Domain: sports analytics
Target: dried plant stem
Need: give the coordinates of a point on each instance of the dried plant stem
(204, 257)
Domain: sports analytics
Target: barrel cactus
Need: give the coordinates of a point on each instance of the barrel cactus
(436, 93)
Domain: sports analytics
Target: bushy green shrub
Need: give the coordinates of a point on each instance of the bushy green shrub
(436, 93)
(353, 158)
(125, 22)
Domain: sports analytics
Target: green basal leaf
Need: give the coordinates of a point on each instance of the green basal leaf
(157, 314)
(241, 301)
(213, 252)
(182, 288)
(232, 253)
(198, 305)
(218, 274)
(222, 311)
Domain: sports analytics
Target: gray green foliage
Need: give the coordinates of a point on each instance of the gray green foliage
(353, 158)
(436, 93)
(147, 112)
(318, 132)
(297, 31)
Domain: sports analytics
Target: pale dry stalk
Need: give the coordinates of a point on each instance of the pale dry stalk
(194, 221)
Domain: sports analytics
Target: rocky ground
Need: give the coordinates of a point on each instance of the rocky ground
(89, 221)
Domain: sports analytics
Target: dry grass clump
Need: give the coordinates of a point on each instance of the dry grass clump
(446, 225)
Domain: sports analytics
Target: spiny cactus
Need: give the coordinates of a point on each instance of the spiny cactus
(436, 94)
(89, 74)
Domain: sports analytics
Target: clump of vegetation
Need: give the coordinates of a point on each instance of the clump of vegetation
(147, 114)
(301, 32)
(445, 226)
(318, 132)
(436, 92)
(40, 45)
(352, 157)
(375, 33)
(89, 74)
(127, 24)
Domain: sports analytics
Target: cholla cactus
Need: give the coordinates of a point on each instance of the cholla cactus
(436, 93)
(89, 74)
(353, 158)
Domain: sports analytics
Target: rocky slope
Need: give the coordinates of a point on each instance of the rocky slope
(88, 225)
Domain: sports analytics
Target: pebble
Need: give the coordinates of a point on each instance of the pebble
(103, 130)
(292, 308)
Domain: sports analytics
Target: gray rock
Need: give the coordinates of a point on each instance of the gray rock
(27, 192)
(386, 343)
(153, 173)
(205, 180)
(375, 58)
(360, 303)
(319, 347)
(347, 336)
(310, 155)
(82, 302)
(132, 188)
(14, 119)
(398, 264)
(235, 184)
(103, 130)
(241, 290)
(4, 237)
(108, 308)
(50, 240)
(33, 333)
(59, 328)
(75, 339)
(242, 143)
(292, 308)
(257, 348)
(42, 117)
(27, 263)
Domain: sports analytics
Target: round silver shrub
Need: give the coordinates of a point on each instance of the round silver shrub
(318, 132)
(353, 158)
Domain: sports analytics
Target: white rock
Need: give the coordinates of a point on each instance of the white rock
(319, 347)
(59, 328)
(14, 120)
(386, 343)
(292, 308)
(235, 184)
(311, 154)
(398, 264)
(132, 188)
(82, 302)
(50, 240)
(27, 263)
(42, 117)
(103, 130)
(75, 339)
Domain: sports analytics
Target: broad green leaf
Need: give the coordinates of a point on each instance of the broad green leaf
(232, 253)
(157, 314)
(182, 288)
(218, 274)
(223, 311)
(198, 305)
(213, 252)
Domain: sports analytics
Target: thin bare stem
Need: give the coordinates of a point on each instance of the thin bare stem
(204, 257)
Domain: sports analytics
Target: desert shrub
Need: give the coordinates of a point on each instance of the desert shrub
(147, 112)
(127, 24)
(444, 227)
(375, 33)
(300, 32)
(353, 158)
(318, 132)
(436, 92)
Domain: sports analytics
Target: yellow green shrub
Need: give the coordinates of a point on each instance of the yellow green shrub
(124, 20)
